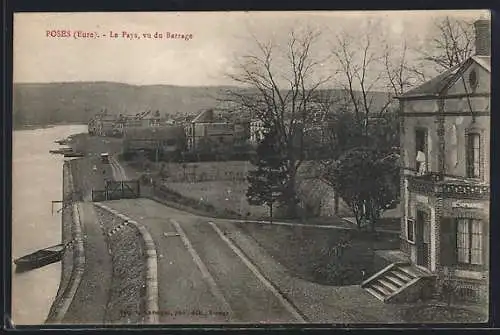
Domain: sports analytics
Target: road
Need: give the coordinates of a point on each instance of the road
(202, 276)
(200, 271)
(205, 278)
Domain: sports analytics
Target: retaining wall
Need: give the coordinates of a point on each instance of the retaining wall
(128, 296)
(73, 261)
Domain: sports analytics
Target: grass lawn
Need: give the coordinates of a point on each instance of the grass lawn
(222, 195)
(310, 252)
(227, 194)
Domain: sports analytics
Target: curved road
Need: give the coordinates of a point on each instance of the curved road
(202, 277)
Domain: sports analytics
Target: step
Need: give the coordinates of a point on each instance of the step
(375, 294)
(387, 284)
(409, 271)
(379, 287)
(401, 275)
(395, 280)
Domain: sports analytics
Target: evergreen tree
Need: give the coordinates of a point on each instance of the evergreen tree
(267, 182)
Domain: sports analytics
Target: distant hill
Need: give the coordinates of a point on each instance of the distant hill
(78, 102)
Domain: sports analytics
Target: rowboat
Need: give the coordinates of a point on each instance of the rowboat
(40, 258)
(74, 154)
(61, 151)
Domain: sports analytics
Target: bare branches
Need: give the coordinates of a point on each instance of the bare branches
(451, 45)
(282, 89)
(363, 73)
(401, 73)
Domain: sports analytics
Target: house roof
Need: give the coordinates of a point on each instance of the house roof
(433, 86)
(484, 61)
(204, 116)
(436, 85)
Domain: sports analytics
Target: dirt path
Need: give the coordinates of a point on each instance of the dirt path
(91, 298)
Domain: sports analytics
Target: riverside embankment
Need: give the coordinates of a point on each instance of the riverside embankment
(36, 181)
(112, 283)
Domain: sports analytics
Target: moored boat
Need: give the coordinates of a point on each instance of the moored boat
(61, 142)
(74, 154)
(40, 258)
(61, 151)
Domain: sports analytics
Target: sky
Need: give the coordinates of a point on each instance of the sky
(217, 41)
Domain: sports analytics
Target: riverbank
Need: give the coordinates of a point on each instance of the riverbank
(72, 263)
(112, 282)
(36, 181)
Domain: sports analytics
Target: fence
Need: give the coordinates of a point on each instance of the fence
(115, 190)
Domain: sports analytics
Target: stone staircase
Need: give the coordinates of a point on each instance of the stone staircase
(400, 282)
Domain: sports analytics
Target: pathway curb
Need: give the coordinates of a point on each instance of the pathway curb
(151, 266)
(172, 204)
(61, 307)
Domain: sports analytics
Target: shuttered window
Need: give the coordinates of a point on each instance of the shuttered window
(469, 241)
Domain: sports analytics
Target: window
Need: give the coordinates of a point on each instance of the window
(469, 241)
(410, 230)
(421, 151)
(473, 156)
(453, 146)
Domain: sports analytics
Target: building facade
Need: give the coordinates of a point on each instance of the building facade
(207, 134)
(445, 150)
(166, 141)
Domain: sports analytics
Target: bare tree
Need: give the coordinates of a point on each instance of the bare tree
(370, 75)
(450, 45)
(401, 73)
(360, 73)
(281, 95)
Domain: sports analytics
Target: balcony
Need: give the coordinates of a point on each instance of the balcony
(435, 185)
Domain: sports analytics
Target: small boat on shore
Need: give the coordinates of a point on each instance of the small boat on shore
(40, 258)
(61, 151)
(61, 142)
(74, 154)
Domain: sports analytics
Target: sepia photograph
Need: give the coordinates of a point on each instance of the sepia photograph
(251, 168)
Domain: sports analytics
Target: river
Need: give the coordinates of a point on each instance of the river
(36, 181)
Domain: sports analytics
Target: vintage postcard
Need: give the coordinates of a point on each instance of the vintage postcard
(251, 168)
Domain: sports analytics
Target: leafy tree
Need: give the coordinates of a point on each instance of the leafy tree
(267, 183)
(368, 181)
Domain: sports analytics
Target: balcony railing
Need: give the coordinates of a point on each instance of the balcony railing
(434, 184)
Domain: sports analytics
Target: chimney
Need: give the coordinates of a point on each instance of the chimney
(483, 37)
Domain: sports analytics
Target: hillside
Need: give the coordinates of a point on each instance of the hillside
(77, 102)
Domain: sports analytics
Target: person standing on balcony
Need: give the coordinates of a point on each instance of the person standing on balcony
(421, 163)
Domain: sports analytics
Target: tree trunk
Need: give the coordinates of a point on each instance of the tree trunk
(271, 212)
(290, 195)
(336, 201)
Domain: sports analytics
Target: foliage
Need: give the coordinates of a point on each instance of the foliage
(267, 182)
(368, 181)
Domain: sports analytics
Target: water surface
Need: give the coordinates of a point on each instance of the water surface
(36, 181)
